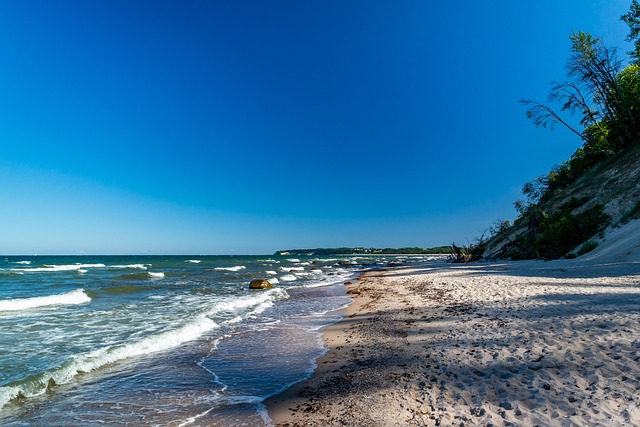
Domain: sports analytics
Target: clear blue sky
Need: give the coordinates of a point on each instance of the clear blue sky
(223, 127)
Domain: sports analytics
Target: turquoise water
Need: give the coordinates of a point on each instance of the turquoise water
(153, 340)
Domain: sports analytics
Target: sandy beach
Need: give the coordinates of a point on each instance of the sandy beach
(513, 343)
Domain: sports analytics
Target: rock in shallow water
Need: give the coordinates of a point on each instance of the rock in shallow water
(260, 284)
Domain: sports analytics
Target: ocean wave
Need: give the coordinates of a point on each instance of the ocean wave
(140, 276)
(11, 273)
(48, 268)
(88, 362)
(125, 289)
(236, 268)
(288, 278)
(238, 400)
(293, 260)
(23, 262)
(271, 272)
(77, 296)
(197, 327)
(139, 266)
(253, 300)
(194, 261)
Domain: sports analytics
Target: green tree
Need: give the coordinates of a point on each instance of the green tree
(632, 19)
(605, 97)
(629, 87)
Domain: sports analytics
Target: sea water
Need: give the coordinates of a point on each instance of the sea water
(161, 340)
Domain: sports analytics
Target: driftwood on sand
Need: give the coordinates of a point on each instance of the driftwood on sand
(459, 254)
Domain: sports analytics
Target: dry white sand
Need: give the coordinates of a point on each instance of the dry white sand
(514, 343)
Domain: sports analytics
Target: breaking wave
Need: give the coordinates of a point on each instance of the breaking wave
(236, 268)
(50, 268)
(77, 296)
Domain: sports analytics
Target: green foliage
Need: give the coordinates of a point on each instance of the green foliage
(629, 88)
(500, 228)
(469, 253)
(606, 98)
(608, 102)
(563, 231)
(634, 213)
(632, 19)
(599, 90)
(554, 235)
(587, 247)
(568, 172)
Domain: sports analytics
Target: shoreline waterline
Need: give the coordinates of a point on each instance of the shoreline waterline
(122, 343)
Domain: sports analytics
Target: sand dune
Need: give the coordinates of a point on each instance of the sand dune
(619, 245)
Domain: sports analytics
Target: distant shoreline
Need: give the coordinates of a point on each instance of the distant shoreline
(278, 253)
(437, 250)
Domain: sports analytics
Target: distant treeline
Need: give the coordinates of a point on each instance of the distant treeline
(364, 251)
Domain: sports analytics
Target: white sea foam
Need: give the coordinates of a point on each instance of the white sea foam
(236, 319)
(140, 266)
(23, 262)
(271, 272)
(70, 267)
(256, 302)
(261, 308)
(288, 278)
(325, 282)
(339, 277)
(77, 296)
(236, 268)
(253, 300)
(154, 343)
(8, 393)
(96, 359)
(157, 275)
(274, 280)
(293, 260)
(234, 308)
(194, 261)
(193, 419)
